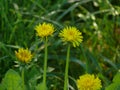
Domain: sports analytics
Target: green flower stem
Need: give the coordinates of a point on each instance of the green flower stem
(45, 64)
(23, 81)
(87, 66)
(66, 68)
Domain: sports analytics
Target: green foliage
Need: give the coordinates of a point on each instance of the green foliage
(114, 86)
(116, 78)
(40, 87)
(98, 20)
(116, 83)
(11, 81)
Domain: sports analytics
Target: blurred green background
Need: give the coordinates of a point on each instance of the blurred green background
(98, 20)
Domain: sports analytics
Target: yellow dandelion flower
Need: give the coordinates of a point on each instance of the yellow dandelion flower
(44, 30)
(24, 55)
(89, 82)
(72, 35)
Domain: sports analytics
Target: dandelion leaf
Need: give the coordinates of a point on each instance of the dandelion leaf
(116, 83)
(116, 78)
(11, 81)
(40, 87)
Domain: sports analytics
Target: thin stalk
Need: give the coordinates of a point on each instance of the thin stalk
(23, 81)
(85, 57)
(87, 66)
(45, 64)
(66, 69)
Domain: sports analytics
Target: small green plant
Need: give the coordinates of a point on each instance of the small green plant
(70, 35)
(43, 31)
(98, 54)
(12, 81)
(115, 85)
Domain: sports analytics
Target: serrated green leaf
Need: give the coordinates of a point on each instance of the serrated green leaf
(113, 86)
(116, 83)
(116, 78)
(11, 81)
(40, 87)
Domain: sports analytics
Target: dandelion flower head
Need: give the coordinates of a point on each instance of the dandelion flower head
(24, 55)
(44, 30)
(72, 35)
(88, 82)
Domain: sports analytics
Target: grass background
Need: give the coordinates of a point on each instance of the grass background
(98, 20)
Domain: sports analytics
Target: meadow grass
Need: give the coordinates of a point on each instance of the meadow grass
(99, 53)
